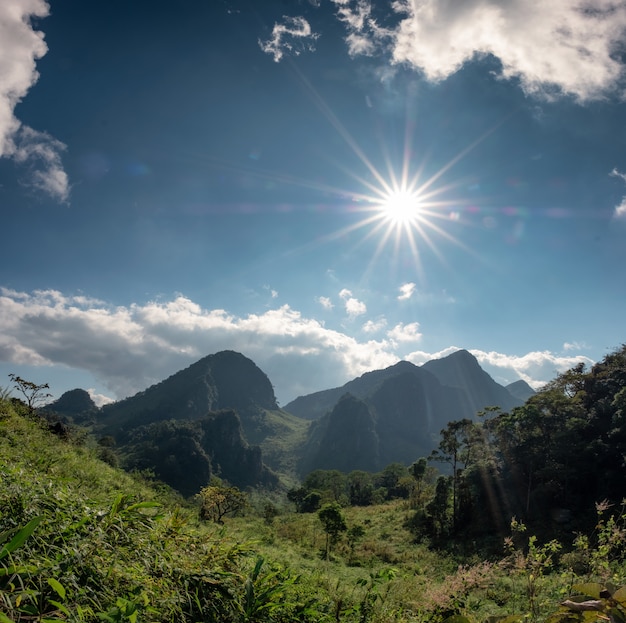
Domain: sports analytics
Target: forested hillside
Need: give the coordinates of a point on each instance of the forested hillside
(547, 463)
(83, 541)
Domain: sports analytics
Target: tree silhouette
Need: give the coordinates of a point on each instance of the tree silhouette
(34, 394)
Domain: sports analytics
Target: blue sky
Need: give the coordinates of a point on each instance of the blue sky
(327, 186)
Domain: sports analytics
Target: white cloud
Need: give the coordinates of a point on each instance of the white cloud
(553, 48)
(43, 153)
(406, 291)
(20, 47)
(128, 348)
(353, 306)
(574, 346)
(273, 293)
(418, 357)
(293, 36)
(364, 33)
(374, 326)
(620, 210)
(403, 333)
(99, 399)
(535, 367)
(325, 302)
(616, 173)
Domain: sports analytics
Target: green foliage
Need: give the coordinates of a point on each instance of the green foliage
(5, 394)
(305, 501)
(81, 541)
(333, 523)
(270, 512)
(592, 602)
(394, 479)
(361, 490)
(534, 563)
(331, 483)
(217, 501)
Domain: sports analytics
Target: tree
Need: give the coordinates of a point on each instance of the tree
(330, 482)
(333, 522)
(306, 501)
(360, 488)
(34, 394)
(390, 479)
(459, 441)
(217, 501)
(418, 471)
(355, 534)
(437, 508)
(269, 513)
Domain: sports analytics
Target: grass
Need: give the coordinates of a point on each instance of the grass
(83, 541)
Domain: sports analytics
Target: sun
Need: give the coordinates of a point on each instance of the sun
(401, 207)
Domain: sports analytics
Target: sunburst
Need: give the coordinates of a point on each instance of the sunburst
(401, 207)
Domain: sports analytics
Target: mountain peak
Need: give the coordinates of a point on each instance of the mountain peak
(521, 389)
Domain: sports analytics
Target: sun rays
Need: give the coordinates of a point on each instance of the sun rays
(404, 208)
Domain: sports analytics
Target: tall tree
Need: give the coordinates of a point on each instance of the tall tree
(437, 508)
(458, 447)
(333, 522)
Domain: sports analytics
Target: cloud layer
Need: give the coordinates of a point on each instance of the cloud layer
(561, 47)
(129, 348)
(20, 47)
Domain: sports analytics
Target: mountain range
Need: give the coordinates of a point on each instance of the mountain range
(220, 417)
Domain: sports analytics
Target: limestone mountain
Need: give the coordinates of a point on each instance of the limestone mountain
(405, 407)
(219, 416)
(172, 427)
(187, 453)
(213, 383)
(75, 404)
(521, 390)
(312, 406)
(345, 439)
(459, 370)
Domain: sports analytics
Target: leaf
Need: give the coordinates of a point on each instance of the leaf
(133, 507)
(20, 537)
(620, 595)
(60, 607)
(590, 589)
(4, 618)
(57, 587)
(13, 569)
(457, 618)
